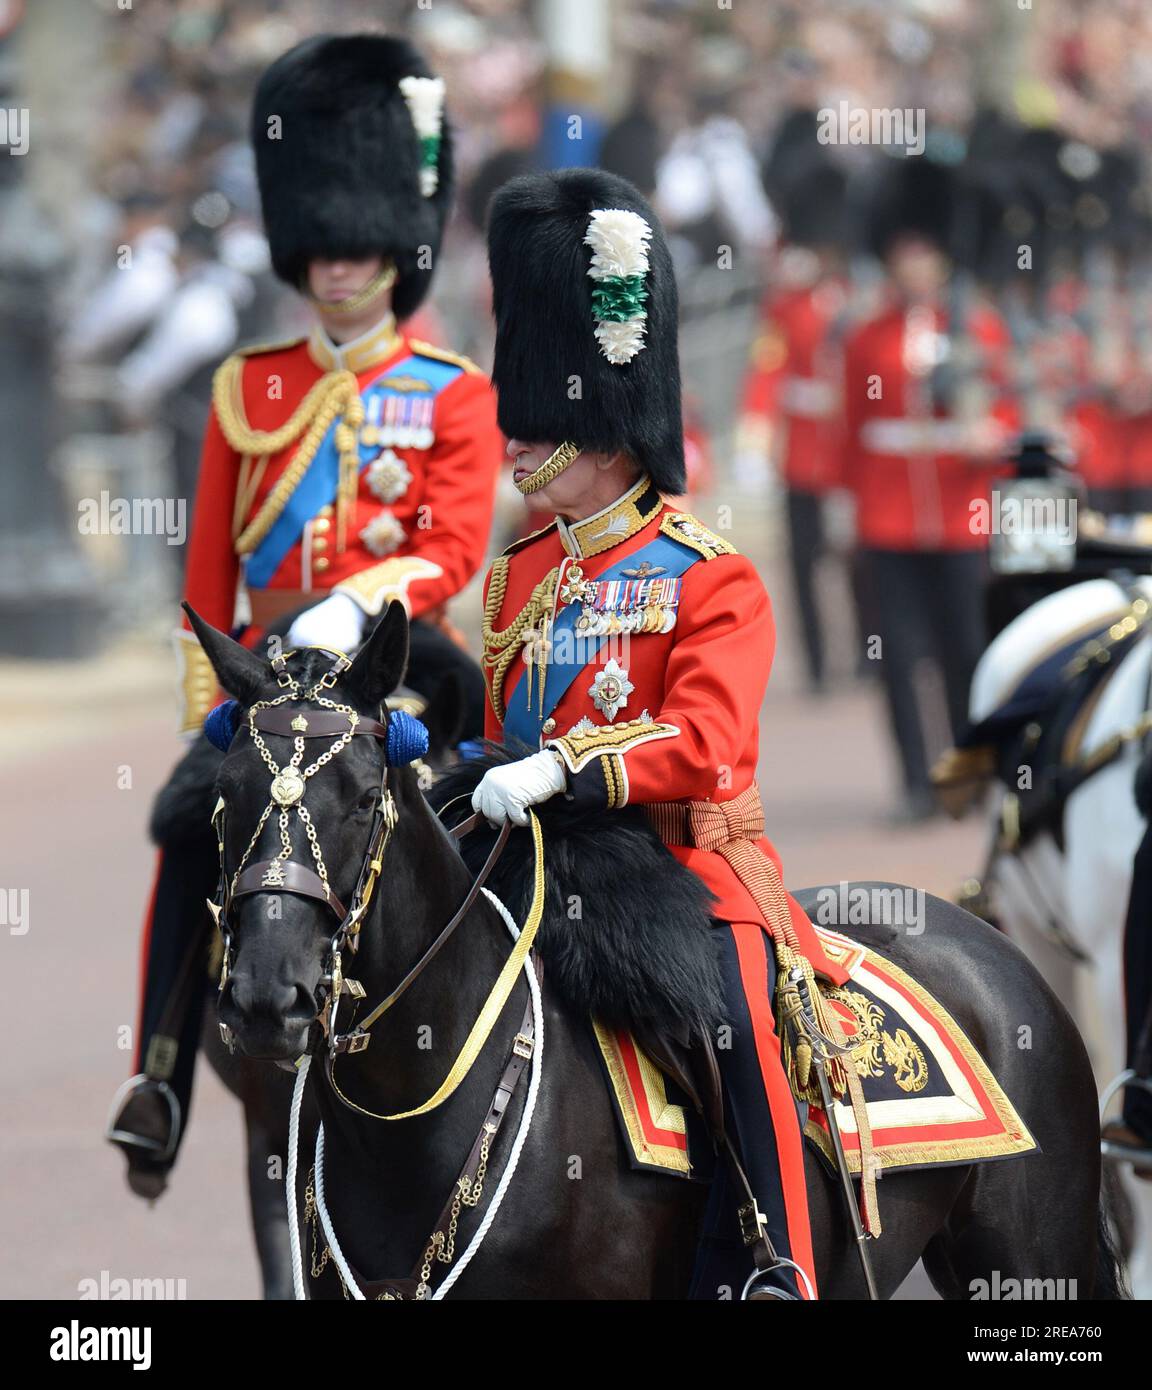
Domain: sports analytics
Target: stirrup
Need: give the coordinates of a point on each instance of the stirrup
(756, 1289)
(1120, 1149)
(128, 1139)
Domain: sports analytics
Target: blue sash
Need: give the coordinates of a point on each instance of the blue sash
(524, 723)
(317, 488)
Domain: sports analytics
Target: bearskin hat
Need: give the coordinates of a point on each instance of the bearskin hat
(584, 297)
(914, 197)
(353, 159)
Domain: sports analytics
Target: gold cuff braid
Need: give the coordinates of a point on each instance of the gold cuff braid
(578, 749)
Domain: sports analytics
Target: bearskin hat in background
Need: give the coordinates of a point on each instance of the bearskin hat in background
(913, 197)
(353, 160)
(584, 297)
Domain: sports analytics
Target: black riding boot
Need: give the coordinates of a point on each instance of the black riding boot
(151, 1110)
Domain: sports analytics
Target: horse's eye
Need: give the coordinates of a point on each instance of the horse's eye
(368, 802)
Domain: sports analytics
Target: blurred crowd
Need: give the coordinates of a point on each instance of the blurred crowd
(969, 173)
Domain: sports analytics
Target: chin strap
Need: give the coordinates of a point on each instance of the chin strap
(550, 469)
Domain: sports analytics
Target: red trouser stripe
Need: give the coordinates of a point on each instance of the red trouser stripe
(750, 950)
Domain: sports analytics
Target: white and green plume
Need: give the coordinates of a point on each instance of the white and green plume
(425, 100)
(619, 241)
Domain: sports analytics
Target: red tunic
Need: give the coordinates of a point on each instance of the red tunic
(436, 539)
(794, 381)
(913, 490)
(689, 728)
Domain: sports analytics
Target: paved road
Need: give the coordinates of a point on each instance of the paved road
(75, 808)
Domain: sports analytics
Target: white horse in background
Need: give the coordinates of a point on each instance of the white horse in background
(1066, 908)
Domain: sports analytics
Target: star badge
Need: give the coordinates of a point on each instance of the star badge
(610, 689)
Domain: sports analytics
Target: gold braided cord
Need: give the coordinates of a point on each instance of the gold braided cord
(493, 1005)
(383, 280)
(500, 648)
(340, 397)
(550, 469)
(228, 402)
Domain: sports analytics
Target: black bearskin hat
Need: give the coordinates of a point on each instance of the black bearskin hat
(915, 196)
(568, 325)
(342, 167)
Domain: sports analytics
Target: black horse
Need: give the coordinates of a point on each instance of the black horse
(180, 823)
(578, 1223)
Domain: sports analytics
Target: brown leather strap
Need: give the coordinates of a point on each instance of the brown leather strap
(320, 723)
(341, 1044)
(297, 879)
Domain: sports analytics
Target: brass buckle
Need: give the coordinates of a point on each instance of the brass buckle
(356, 1042)
(522, 1046)
(753, 1223)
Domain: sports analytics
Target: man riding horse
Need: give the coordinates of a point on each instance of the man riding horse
(339, 472)
(626, 646)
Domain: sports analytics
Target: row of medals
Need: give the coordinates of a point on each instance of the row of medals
(651, 617)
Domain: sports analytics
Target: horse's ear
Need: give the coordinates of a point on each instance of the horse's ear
(241, 673)
(378, 667)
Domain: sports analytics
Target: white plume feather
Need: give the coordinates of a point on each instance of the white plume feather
(424, 97)
(619, 242)
(620, 342)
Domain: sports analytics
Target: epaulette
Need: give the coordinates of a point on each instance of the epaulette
(528, 539)
(255, 349)
(440, 354)
(683, 527)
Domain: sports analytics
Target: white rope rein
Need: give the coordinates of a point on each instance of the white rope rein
(477, 1240)
(290, 1180)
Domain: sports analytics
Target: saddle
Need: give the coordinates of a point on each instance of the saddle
(1042, 726)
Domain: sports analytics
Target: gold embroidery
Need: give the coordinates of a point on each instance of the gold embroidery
(439, 354)
(612, 766)
(500, 646)
(612, 527)
(688, 531)
(282, 345)
(872, 1048)
(579, 748)
(907, 1061)
(372, 588)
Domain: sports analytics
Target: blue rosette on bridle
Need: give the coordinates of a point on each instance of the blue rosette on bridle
(407, 738)
(221, 724)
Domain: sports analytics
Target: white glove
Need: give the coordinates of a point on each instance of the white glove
(505, 793)
(335, 622)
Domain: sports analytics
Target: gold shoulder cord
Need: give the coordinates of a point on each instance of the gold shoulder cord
(500, 648)
(335, 394)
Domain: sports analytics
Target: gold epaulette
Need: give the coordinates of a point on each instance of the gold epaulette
(528, 539)
(440, 354)
(682, 527)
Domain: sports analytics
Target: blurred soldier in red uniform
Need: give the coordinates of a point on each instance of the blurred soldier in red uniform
(627, 647)
(794, 381)
(925, 422)
(353, 467)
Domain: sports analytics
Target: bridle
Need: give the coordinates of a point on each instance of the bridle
(341, 723)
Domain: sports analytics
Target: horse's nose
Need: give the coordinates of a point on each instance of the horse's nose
(252, 997)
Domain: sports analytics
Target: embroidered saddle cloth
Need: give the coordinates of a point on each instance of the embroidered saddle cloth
(930, 1097)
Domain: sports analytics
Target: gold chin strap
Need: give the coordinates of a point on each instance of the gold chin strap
(550, 469)
(383, 280)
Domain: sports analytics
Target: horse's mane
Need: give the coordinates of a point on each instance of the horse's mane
(626, 928)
